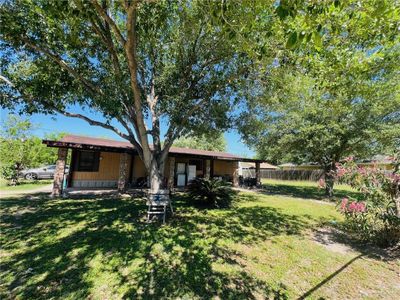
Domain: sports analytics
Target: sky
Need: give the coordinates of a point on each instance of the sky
(46, 124)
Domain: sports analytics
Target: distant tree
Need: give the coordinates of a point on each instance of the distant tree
(340, 96)
(203, 142)
(20, 149)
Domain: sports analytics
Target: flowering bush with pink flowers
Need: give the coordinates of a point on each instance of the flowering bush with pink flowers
(377, 217)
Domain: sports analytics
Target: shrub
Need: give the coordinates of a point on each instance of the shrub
(213, 193)
(377, 217)
(10, 172)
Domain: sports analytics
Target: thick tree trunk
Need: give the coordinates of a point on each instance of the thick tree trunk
(156, 175)
(329, 182)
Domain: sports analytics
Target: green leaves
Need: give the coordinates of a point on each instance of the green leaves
(333, 89)
(292, 40)
(317, 41)
(204, 142)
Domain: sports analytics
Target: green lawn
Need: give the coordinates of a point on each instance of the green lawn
(103, 249)
(305, 189)
(24, 185)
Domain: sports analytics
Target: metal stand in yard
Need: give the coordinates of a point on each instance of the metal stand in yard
(158, 204)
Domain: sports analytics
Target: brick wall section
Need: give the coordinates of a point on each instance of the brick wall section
(123, 171)
(258, 173)
(59, 172)
(208, 169)
(236, 174)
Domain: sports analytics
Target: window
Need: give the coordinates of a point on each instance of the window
(88, 161)
(198, 163)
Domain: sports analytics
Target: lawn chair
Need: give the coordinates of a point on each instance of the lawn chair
(158, 204)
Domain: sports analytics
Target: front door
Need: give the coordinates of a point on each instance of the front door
(191, 172)
(180, 174)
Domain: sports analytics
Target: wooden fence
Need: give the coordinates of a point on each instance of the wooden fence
(312, 175)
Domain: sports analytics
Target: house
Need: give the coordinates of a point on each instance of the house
(104, 163)
(380, 161)
(248, 169)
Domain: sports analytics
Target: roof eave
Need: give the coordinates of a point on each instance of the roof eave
(90, 147)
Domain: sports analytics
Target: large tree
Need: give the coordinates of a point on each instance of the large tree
(137, 63)
(339, 96)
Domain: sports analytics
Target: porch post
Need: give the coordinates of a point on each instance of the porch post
(123, 171)
(208, 169)
(236, 174)
(59, 172)
(171, 176)
(258, 174)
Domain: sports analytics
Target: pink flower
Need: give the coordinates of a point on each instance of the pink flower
(350, 158)
(362, 171)
(352, 207)
(361, 207)
(340, 171)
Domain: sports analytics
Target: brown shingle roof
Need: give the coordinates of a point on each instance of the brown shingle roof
(76, 141)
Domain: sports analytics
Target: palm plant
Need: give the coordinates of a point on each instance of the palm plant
(213, 193)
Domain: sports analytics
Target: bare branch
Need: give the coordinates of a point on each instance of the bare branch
(132, 140)
(93, 122)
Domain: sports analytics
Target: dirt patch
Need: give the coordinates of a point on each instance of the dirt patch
(333, 240)
(338, 241)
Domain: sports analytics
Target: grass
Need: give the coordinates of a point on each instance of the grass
(23, 185)
(306, 189)
(102, 249)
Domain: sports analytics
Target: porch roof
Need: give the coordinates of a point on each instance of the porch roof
(107, 145)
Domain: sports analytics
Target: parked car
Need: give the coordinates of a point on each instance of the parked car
(45, 172)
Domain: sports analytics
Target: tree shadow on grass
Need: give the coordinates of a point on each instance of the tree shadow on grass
(306, 192)
(102, 248)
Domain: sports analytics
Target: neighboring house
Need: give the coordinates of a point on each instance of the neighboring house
(380, 161)
(103, 163)
(247, 169)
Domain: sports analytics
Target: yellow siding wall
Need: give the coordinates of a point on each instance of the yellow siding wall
(222, 167)
(138, 168)
(108, 168)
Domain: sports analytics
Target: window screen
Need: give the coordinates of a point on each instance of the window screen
(88, 161)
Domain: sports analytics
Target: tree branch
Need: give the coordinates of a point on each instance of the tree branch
(129, 137)
(130, 50)
(57, 59)
(93, 122)
(107, 41)
(110, 22)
